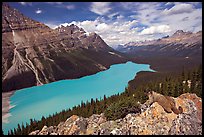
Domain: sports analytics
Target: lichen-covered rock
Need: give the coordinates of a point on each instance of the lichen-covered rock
(53, 133)
(44, 131)
(197, 101)
(186, 124)
(153, 120)
(34, 132)
(98, 119)
(72, 126)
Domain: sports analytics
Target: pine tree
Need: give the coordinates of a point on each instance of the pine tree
(104, 97)
(183, 74)
(200, 72)
(23, 130)
(28, 129)
(170, 88)
(186, 88)
(11, 132)
(189, 75)
(198, 86)
(92, 101)
(198, 90)
(176, 91)
(15, 133)
(193, 82)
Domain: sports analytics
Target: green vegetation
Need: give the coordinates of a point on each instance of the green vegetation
(121, 108)
(117, 106)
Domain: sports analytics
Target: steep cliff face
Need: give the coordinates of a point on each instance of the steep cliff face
(151, 121)
(33, 54)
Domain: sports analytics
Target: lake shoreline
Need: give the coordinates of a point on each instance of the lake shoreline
(6, 106)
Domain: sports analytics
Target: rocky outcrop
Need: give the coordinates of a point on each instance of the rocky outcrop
(152, 120)
(34, 54)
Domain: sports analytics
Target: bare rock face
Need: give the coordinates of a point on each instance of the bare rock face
(33, 54)
(152, 121)
(12, 19)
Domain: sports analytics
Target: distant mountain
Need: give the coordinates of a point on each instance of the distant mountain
(181, 44)
(34, 54)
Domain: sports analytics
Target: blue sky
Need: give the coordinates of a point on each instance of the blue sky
(118, 22)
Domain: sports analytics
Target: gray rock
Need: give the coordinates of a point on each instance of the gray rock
(34, 132)
(53, 133)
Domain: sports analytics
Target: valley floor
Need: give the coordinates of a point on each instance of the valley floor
(164, 66)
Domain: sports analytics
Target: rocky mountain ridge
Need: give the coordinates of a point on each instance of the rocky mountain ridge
(179, 44)
(34, 54)
(152, 120)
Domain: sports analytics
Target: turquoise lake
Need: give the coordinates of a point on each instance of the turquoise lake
(39, 101)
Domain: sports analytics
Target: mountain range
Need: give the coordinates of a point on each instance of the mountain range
(34, 54)
(168, 54)
(181, 44)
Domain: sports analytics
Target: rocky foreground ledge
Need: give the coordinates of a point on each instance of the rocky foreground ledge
(151, 121)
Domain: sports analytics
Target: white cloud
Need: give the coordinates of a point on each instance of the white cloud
(89, 26)
(148, 21)
(193, 22)
(149, 14)
(113, 14)
(146, 13)
(120, 17)
(179, 8)
(62, 5)
(169, 3)
(100, 8)
(129, 5)
(38, 11)
(22, 3)
(156, 29)
(102, 27)
(195, 3)
(113, 33)
(53, 3)
(65, 24)
(25, 3)
(51, 25)
(70, 7)
(135, 6)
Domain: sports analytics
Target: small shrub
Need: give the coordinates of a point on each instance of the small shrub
(121, 108)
